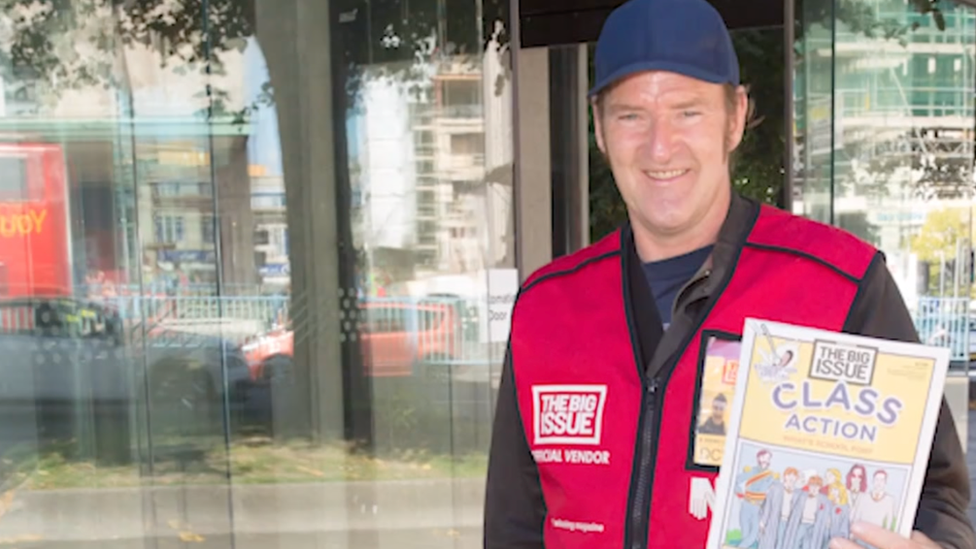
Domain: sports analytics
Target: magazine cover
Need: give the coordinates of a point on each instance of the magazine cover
(825, 429)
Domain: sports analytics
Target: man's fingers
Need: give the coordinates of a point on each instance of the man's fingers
(879, 537)
(923, 539)
(841, 543)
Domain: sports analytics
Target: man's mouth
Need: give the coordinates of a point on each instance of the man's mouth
(664, 175)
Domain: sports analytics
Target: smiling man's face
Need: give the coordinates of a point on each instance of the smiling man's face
(668, 139)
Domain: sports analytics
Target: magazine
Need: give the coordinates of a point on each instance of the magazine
(826, 429)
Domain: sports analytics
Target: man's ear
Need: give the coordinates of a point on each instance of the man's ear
(738, 126)
(598, 127)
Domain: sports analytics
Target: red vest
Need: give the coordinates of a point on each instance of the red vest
(582, 396)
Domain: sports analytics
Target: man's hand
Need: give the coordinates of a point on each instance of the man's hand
(883, 539)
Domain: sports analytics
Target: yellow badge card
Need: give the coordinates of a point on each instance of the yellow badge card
(720, 363)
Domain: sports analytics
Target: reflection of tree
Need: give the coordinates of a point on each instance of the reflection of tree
(607, 209)
(861, 17)
(938, 237)
(758, 169)
(945, 234)
(927, 167)
(943, 165)
(196, 35)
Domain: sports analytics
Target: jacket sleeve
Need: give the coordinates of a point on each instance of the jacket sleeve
(514, 507)
(879, 311)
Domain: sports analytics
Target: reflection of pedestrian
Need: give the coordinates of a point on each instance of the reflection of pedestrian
(715, 423)
(281, 305)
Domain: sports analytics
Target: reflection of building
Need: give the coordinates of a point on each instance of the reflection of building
(176, 210)
(270, 229)
(886, 128)
(422, 189)
(471, 149)
(459, 132)
(157, 174)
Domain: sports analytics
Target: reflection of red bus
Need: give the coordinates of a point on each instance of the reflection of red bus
(34, 245)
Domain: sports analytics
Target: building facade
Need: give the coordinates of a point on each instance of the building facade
(282, 240)
(883, 145)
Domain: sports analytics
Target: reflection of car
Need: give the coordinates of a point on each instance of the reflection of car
(396, 336)
(67, 356)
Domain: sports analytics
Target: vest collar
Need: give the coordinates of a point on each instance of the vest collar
(656, 348)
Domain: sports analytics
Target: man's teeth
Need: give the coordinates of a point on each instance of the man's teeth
(666, 175)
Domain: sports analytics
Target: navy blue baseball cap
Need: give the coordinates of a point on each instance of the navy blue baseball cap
(687, 37)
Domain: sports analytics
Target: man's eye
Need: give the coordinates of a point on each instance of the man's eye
(689, 114)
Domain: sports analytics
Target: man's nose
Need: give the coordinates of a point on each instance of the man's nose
(659, 144)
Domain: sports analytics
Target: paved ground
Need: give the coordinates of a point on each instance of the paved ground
(423, 514)
(428, 514)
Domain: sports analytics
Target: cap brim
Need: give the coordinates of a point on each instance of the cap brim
(669, 66)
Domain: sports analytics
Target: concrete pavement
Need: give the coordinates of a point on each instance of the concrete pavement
(428, 513)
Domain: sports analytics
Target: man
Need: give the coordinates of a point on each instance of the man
(715, 423)
(751, 487)
(593, 444)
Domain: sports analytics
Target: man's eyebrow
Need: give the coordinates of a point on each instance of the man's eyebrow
(619, 107)
(688, 103)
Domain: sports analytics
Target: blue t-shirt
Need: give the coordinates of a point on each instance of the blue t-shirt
(667, 277)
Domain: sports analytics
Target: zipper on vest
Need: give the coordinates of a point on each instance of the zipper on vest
(641, 511)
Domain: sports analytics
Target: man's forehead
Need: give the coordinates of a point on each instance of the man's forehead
(662, 85)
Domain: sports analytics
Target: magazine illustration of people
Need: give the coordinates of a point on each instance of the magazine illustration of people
(825, 430)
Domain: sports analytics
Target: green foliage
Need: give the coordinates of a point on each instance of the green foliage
(758, 171)
(939, 236)
(195, 35)
(607, 209)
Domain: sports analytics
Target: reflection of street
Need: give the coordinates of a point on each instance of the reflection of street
(427, 513)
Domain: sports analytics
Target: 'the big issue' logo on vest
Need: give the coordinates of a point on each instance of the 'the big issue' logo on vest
(569, 415)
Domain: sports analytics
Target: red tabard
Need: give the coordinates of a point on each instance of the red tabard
(580, 389)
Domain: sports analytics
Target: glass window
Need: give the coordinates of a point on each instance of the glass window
(895, 167)
(13, 182)
(245, 292)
